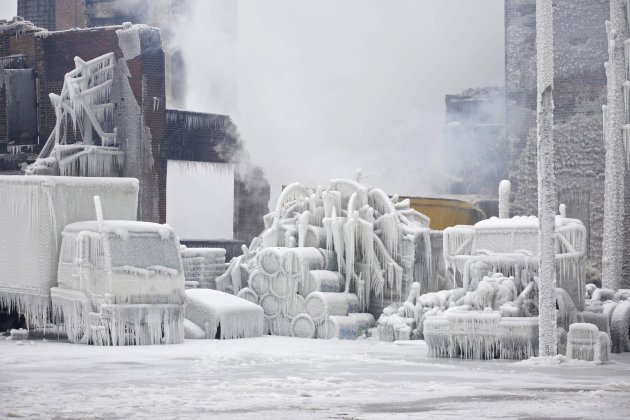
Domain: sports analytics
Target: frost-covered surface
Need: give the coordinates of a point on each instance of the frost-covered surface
(546, 177)
(288, 378)
(33, 212)
(617, 118)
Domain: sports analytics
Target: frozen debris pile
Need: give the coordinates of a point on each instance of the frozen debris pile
(586, 342)
(220, 315)
(120, 283)
(332, 252)
(609, 310)
(85, 103)
(510, 246)
(33, 212)
(202, 266)
(496, 320)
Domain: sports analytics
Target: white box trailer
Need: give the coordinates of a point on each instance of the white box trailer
(33, 212)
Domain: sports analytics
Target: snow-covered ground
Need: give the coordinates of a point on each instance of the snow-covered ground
(291, 378)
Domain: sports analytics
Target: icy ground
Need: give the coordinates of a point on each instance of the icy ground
(291, 378)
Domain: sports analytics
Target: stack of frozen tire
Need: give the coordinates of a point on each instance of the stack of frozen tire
(303, 296)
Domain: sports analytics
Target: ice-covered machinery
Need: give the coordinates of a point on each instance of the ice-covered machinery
(84, 102)
(120, 282)
(33, 212)
(510, 246)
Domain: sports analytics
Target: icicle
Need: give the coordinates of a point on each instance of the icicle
(626, 142)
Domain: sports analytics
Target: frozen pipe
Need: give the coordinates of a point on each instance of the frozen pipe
(504, 199)
(562, 210)
(350, 327)
(320, 305)
(99, 211)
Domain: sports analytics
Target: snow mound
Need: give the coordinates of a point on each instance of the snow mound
(222, 315)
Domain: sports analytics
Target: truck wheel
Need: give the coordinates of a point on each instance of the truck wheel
(620, 327)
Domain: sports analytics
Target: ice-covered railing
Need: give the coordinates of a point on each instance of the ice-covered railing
(84, 102)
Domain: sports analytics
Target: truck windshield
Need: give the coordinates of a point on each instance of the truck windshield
(142, 251)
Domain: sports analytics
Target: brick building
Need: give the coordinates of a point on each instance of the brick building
(35, 60)
(580, 50)
(60, 15)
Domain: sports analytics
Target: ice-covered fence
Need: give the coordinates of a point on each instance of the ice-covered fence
(481, 335)
(33, 212)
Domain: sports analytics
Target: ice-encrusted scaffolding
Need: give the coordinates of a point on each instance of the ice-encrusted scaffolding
(85, 104)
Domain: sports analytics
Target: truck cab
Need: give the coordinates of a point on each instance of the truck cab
(120, 282)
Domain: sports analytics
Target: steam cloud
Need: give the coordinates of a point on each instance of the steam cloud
(325, 87)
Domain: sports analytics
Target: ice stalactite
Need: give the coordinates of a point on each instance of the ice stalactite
(615, 165)
(546, 178)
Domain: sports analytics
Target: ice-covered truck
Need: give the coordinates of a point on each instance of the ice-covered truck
(118, 276)
(120, 282)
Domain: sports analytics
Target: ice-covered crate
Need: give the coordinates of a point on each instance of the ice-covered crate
(203, 265)
(33, 212)
(221, 315)
(586, 342)
(19, 334)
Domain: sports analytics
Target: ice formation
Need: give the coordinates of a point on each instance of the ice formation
(85, 103)
(546, 177)
(222, 315)
(33, 212)
(616, 119)
(331, 252)
(120, 282)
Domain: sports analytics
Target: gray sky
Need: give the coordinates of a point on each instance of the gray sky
(328, 86)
